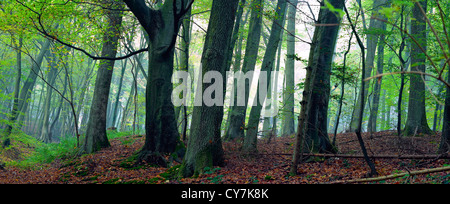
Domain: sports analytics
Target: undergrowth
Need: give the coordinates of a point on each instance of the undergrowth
(26, 151)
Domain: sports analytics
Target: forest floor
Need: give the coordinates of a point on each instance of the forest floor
(271, 166)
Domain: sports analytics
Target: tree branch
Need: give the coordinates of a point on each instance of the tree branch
(40, 27)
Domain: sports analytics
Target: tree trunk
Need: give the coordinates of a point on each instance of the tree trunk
(317, 107)
(116, 105)
(28, 86)
(184, 66)
(162, 27)
(445, 138)
(236, 68)
(15, 107)
(372, 40)
(238, 111)
(312, 126)
(96, 137)
(51, 77)
(288, 95)
(416, 122)
(372, 126)
(250, 140)
(205, 146)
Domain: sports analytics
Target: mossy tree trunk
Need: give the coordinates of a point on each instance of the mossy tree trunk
(14, 111)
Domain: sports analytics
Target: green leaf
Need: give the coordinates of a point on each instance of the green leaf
(330, 7)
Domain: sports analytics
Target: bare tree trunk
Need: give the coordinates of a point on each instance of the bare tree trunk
(288, 95)
(238, 112)
(417, 120)
(96, 137)
(312, 124)
(28, 86)
(162, 26)
(45, 136)
(205, 145)
(250, 140)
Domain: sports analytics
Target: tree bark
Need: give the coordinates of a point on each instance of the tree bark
(162, 27)
(372, 41)
(96, 137)
(372, 126)
(238, 112)
(205, 146)
(444, 146)
(28, 86)
(51, 77)
(15, 107)
(416, 122)
(312, 123)
(288, 95)
(250, 140)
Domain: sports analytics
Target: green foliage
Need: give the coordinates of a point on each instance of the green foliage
(21, 146)
(339, 12)
(46, 153)
(171, 173)
(33, 152)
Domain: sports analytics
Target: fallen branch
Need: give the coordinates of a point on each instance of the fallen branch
(350, 156)
(393, 176)
(444, 156)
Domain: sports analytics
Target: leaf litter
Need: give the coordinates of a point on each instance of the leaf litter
(270, 166)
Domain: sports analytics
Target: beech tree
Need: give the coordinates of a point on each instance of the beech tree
(312, 127)
(96, 129)
(205, 146)
(250, 141)
(416, 122)
(236, 128)
(162, 26)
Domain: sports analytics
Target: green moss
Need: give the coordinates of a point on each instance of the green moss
(171, 173)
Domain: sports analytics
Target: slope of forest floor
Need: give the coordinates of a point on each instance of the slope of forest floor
(271, 166)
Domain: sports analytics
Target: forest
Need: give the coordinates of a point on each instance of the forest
(224, 91)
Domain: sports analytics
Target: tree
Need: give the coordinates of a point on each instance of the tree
(250, 140)
(288, 95)
(96, 137)
(162, 26)
(417, 120)
(372, 126)
(14, 111)
(117, 100)
(238, 111)
(312, 125)
(372, 41)
(205, 146)
(45, 134)
(25, 92)
(444, 146)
